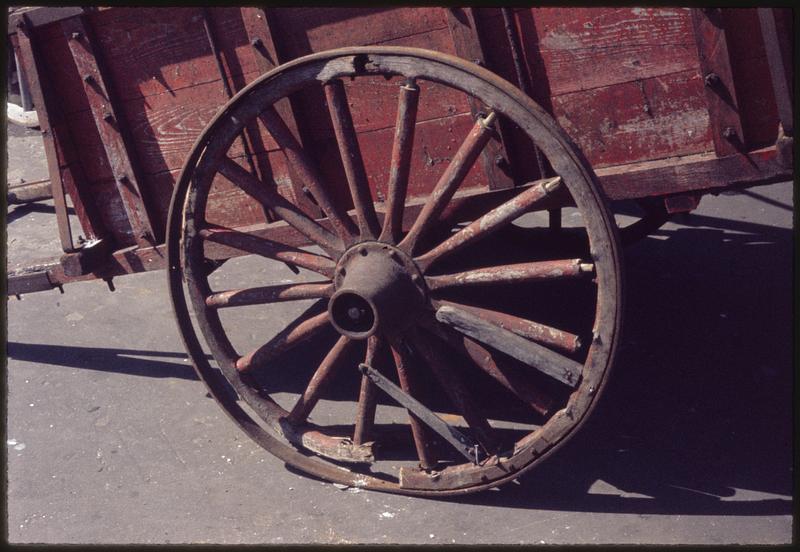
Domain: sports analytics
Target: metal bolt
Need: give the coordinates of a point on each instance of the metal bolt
(77, 35)
(729, 133)
(499, 160)
(354, 313)
(711, 79)
(108, 117)
(256, 43)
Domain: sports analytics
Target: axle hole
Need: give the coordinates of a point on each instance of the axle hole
(352, 313)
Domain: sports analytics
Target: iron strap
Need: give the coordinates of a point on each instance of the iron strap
(463, 444)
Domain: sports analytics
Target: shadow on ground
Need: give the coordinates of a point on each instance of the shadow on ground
(698, 405)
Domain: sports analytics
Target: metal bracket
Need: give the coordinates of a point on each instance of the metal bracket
(463, 444)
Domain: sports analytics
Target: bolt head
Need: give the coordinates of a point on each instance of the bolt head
(711, 79)
(256, 42)
(729, 133)
(76, 35)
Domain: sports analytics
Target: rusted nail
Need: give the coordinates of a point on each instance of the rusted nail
(729, 133)
(711, 79)
(108, 117)
(77, 35)
(257, 43)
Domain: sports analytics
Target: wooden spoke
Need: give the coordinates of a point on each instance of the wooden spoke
(305, 170)
(448, 183)
(513, 273)
(249, 243)
(401, 161)
(455, 389)
(490, 222)
(333, 360)
(509, 379)
(365, 416)
(295, 333)
(368, 224)
(541, 358)
(540, 333)
(293, 216)
(419, 431)
(269, 294)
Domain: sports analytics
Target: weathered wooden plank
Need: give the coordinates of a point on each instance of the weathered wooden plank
(305, 30)
(690, 173)
(634, 121)
(463, 26)
(59, 151)
(585, 48)
(751, 75)
(720, 92)
(111, 128)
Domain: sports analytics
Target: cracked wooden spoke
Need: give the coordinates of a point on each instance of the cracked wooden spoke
(401, 161)
(282, 207)
(295, 333)
(269, 294)
(484, 360)
(256, 245)
(449, 182)
(421, 434)
(306, 171)
(350, 152)
(541, 358)
(455, 389)
(367, 396)
(540, 333)
(308, 400)
(512, 273)
(492, 221)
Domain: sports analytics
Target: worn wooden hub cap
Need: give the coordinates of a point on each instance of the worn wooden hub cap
(378, 289)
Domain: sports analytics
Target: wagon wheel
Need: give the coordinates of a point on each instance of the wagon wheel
(484, 393)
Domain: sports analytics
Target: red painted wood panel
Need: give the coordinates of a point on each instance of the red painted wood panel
(306, 30)
(611, 124)
(585, 48)
(751, 76)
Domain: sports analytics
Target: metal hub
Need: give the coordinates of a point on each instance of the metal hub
(378, 288)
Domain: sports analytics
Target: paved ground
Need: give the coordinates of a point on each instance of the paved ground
(111, 438)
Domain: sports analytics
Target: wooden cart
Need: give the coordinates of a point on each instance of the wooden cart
(437, 184)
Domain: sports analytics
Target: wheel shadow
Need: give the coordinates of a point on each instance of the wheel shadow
(697, 414)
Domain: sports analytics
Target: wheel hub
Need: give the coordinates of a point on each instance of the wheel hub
(378, 288)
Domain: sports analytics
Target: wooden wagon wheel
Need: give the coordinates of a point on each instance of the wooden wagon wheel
(408, 311)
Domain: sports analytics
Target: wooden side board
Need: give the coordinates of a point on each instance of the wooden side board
(628, 84)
